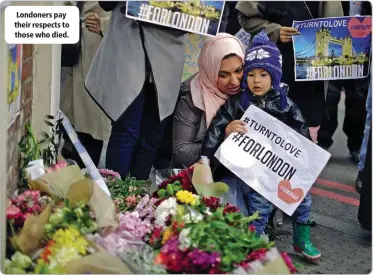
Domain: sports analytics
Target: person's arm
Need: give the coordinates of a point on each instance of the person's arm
(296, 120)
(187, 119)
(216, 132)
(252, 19)
(108, 5)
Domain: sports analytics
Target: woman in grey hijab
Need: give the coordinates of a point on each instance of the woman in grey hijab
(135, 78)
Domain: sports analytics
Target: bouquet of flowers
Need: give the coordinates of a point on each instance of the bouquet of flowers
(132, 230)
(198, 234)
(18, 264)
(77, 215)
(126, 193)
(27, 203)
(65, 245)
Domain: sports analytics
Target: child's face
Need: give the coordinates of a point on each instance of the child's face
(259, 81)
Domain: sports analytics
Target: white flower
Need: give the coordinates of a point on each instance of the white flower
(166, 208)
(193, 216)
(185, 241)
(257, 54)
(208, 211)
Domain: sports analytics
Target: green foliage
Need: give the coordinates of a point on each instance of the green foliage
(29, 149)
(227, 234)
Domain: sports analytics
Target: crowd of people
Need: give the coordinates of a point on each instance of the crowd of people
(126, 89)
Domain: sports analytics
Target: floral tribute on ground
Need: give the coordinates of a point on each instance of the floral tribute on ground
(176, 229)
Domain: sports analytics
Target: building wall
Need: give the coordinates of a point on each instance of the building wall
(3, 138)
(17, 129)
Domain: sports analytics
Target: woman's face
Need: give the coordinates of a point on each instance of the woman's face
(230, 75)
(259, 81)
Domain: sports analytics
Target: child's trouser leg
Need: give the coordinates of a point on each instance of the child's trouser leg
(301, 231)
(236, 193)
(258, 203)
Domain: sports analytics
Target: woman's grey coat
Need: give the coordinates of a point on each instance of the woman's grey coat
(117, 72)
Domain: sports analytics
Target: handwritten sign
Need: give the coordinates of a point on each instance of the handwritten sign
(273, 159)
(332, 48)
(202, 17)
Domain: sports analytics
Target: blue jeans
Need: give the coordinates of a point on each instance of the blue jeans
(136, 136)
(249, 201)
(368, 122)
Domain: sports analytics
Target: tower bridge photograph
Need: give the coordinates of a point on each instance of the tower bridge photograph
(329, 46)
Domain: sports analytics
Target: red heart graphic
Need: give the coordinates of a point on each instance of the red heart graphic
(360, 29)
(288, 195)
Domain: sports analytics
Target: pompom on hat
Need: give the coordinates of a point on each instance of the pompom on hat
(264, 54)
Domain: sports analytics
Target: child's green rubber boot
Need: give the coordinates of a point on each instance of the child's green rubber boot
(302, 241)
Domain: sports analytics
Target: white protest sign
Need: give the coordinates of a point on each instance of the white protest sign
(273, 159)
(91, 167)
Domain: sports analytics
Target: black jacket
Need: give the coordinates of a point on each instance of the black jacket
(270, 15)
(366, 8)
(233, 110)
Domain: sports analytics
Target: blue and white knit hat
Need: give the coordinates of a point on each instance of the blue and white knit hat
(264, 54)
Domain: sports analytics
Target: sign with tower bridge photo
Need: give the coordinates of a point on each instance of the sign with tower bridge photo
(332, 48)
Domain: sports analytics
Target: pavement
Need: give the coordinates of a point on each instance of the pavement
(345, 247)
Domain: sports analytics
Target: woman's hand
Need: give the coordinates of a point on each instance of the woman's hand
(238, 126)
(93, 23)
(286, 34)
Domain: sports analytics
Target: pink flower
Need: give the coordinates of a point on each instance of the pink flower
(19, 199)
(131, 201)
(13, 212)
(57, 166)
(117, 201)
(109, 173)
(252, 228)
(32, 195)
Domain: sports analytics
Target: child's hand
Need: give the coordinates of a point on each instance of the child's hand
(236, 126)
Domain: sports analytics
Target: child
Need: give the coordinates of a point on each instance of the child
(261, 87)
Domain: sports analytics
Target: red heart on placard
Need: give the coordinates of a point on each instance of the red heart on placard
(360, 29)
(288, 195)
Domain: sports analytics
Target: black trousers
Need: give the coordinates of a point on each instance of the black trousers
(93, 147)
(356, 91)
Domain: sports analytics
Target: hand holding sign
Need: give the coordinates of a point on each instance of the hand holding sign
(286, 33)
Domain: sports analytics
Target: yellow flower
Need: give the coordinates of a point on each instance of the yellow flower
(186, 197)
(69, 240)
(167, 234)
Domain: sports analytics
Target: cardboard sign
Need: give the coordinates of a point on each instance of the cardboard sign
(91, 167)
(202, 17)
(332, 48)
(273, 159)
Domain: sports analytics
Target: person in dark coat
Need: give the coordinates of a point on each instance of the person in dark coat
(276, 17)
(365, 207)
(261, 87)
(356, 93)
(230, 23)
